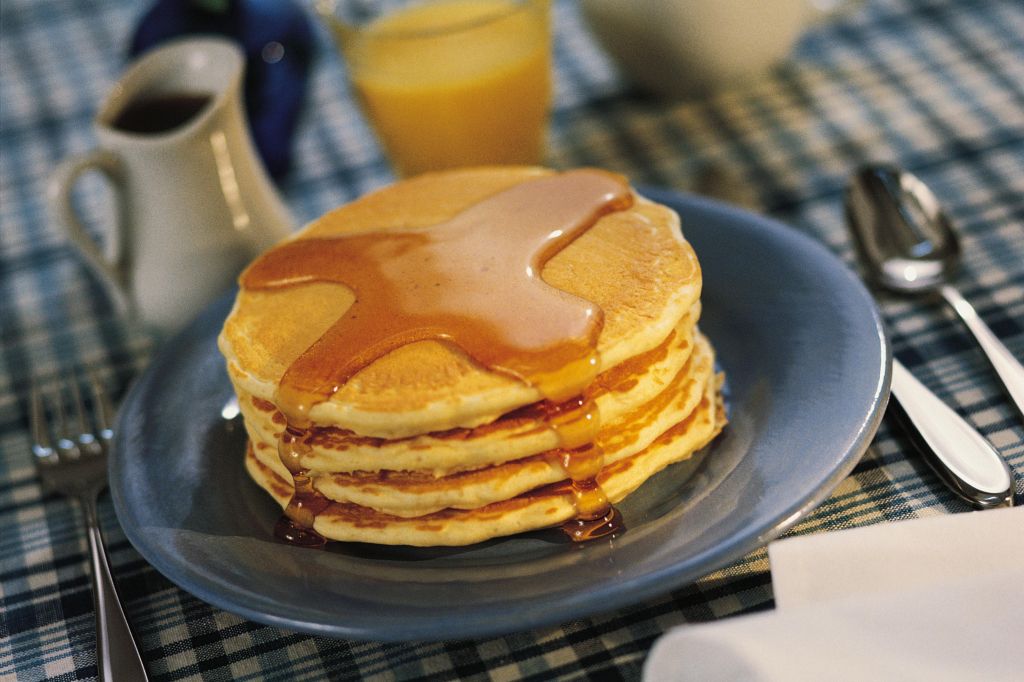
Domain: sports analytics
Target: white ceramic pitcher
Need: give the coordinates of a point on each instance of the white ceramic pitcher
(195, 204)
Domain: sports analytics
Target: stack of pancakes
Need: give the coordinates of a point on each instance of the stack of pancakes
(425, 446)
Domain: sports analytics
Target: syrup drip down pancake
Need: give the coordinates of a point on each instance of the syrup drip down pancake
(472, 354)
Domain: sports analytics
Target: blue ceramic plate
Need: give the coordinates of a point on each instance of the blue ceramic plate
(808, 375)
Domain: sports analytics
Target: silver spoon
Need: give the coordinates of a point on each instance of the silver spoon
(908, 246)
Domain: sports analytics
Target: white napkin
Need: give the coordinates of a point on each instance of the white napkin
(939, 598)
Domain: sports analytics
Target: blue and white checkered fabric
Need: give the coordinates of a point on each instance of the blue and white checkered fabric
(935, 85)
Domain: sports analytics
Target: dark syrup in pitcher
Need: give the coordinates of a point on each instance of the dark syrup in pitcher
(160, 113)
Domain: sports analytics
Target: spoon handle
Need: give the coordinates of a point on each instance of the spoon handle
(1006, 366)
(961, 456)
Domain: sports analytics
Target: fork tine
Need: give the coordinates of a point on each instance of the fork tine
(76, 401)
(42, 446)
(87, 442)
(67, 447)
(102, 411)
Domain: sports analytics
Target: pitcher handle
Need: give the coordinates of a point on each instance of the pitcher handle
(106, 260)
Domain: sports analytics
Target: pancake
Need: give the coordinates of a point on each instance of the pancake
(511, 436)
(541, 508)
(634, 264)
(409, 414)
(410, 493)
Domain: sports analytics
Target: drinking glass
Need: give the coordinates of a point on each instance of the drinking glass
(449, 83)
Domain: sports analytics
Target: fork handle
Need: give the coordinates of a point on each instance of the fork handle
(117, 655)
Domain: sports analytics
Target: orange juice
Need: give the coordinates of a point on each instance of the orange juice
(455, 82)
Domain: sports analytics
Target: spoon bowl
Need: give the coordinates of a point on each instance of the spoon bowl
(904, 237)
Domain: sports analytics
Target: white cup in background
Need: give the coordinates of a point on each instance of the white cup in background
(686, 48)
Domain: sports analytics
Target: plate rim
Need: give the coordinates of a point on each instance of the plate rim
(486, 620)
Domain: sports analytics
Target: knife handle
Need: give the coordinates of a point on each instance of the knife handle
(962, 457)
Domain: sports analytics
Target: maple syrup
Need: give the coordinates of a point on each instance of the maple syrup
(162, 113)
(576, 423)
(472, 281)
(288, 531)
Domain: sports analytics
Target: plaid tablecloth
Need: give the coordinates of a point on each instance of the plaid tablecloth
(936, 85)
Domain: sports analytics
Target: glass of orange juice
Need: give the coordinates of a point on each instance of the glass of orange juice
(449, 83)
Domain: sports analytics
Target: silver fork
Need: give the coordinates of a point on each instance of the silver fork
(71, 459)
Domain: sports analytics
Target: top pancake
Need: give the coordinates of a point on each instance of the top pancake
(634, 264)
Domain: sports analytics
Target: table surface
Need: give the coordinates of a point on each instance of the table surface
(935, 85)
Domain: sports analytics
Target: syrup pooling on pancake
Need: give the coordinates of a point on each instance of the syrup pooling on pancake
(473, 281)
